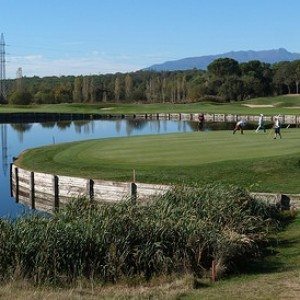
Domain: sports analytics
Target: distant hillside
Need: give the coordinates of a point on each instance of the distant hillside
(268, 56)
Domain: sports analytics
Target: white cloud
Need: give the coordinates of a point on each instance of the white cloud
(92, 64)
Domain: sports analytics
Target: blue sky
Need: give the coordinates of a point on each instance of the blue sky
(63, 37)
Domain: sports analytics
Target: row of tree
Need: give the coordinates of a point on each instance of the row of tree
(224, 80)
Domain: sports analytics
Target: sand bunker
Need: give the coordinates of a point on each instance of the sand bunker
(106, 108)
(258, 105)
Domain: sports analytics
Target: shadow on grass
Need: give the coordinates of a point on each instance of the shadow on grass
(198, 283)
(281, 254)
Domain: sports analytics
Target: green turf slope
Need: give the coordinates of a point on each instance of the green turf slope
(266, 105)
(253, 160)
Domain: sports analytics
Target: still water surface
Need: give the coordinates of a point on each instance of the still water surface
(15, 138)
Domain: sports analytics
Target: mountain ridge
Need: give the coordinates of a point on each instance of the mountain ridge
(201, 62)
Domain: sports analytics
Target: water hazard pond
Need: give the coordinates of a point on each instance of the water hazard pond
(17, 137)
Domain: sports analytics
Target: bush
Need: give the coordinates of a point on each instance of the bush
(181, 231)
(44, 98)
(20, 98)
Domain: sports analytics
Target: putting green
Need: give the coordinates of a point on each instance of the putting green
(173, 158)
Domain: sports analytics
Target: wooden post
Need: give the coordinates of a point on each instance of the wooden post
(10, 179)
(133, 188)
(32, 196)
(133, 192)
(90, 189)
(213, 271)
(56, 193)
(17, 184)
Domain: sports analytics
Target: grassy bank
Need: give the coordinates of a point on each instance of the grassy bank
(179, 233)
(252, 160)
(275, 277)
(267, 105)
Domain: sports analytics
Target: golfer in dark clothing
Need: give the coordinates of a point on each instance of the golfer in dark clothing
(239, 126)
(201, 121)
(277, 127)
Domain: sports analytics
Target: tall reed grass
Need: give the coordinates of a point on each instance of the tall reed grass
(179, 232)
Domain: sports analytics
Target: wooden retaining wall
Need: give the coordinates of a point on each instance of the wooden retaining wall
(287, 119)
(48, 192)
(42, 117)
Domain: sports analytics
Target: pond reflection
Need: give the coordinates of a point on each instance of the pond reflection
(63, 124)
(15, 138)
(20, 129)
(4, 148)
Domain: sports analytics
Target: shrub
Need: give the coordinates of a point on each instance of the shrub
(181, 231)
(20, 98)
(44, 98)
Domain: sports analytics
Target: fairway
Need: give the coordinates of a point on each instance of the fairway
(284, 104)
(253, 160)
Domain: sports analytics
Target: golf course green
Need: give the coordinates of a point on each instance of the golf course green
(253, 160)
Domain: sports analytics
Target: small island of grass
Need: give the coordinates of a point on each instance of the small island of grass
(252, 160)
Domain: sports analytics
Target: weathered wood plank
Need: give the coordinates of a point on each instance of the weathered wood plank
(71, 191)
(71, 180)
(45, 178)
(24, 199)
(43, 207)
(44, 198)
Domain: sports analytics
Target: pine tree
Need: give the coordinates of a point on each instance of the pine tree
(92, 90)
(149, 88)
(128, 86)
(117, 89)
(163, 89)
(77, 91)
(104, 93)
(86, 89)
(178, 89)
(183, 88)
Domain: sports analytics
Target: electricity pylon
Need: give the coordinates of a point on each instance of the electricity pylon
(2, 70)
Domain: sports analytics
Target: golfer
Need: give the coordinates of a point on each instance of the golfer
(261, 123)
(201, 120)
(276, 127)
(239, 126)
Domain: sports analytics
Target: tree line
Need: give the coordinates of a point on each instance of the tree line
(224, 80)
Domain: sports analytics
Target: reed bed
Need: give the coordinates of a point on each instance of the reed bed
(182, 231)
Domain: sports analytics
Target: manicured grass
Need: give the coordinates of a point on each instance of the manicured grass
(253, 160)
(282, 105)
